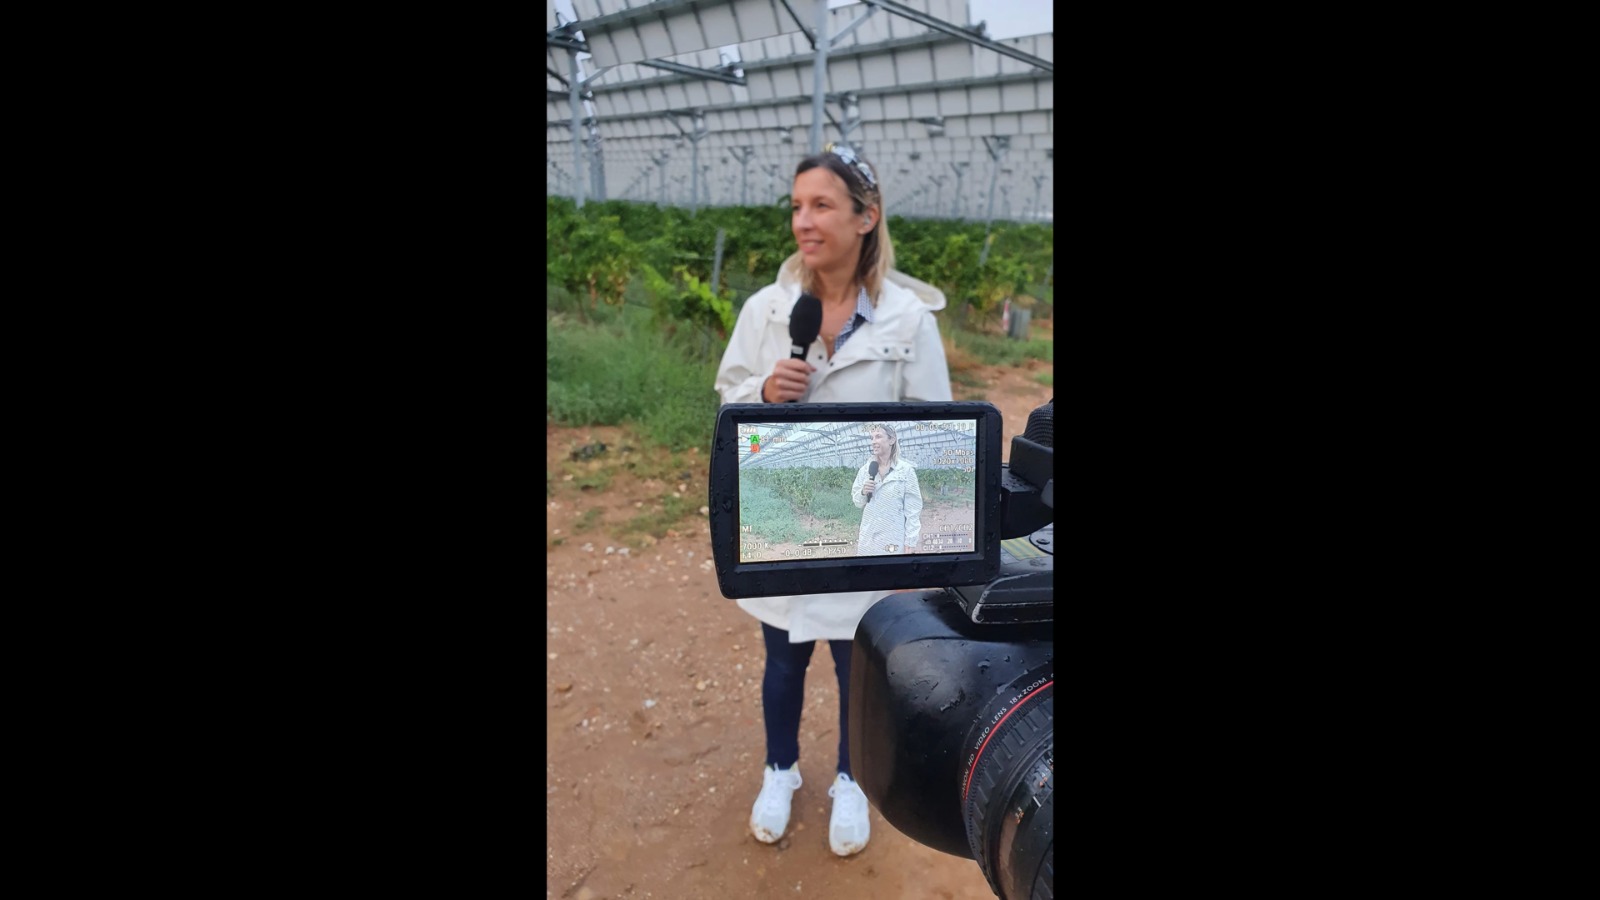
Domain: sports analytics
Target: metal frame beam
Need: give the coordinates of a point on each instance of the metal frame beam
(971, 36)
(691, 71)
(803, 59)
(833, 40)
(803, 99)
(810, 38)
(565, 41)
(624, 16)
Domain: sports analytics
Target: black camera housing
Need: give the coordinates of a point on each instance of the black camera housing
(918, 723)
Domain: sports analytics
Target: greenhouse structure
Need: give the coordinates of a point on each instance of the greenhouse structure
(926, 445)
(696, 103)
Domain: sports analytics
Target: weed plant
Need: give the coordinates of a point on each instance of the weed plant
(998, 350)
(770, 516)
(772, 501)
(624, 370)
(655, 520)
(942, 487)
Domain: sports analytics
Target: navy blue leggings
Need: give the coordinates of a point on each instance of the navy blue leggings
(783, 695)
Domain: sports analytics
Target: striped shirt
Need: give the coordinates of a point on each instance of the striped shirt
(863, 314)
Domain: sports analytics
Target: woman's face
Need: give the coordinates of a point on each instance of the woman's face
(881, 445)
(826, 226)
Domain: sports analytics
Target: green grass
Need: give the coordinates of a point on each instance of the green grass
(831, 500)
(997, 350)
(654, 520)
(948, 485)
(625, 370)
(965, 378)
(770, 516)
(586, 519)
(1048, 379)
(1044, 299)
(586, 477)
(666, 466)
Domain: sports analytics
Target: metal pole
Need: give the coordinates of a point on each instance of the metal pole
(994, 178)
(596, 170)
(577, 134)
(716, 265)
(694, 176)
(819, 83)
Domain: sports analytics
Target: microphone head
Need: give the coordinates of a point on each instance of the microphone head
(872, 469)
(805, 320)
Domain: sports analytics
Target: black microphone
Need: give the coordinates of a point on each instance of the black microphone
(805, 323)
(872, 473)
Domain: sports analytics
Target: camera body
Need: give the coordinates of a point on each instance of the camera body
(951, 688)
(952, 732)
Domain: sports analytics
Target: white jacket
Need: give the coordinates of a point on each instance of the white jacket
(896, 357)
(891, 516)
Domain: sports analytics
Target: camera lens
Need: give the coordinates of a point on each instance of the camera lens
(1009, 792)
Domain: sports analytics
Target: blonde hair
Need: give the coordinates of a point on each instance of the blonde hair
(877, 251)
(894, 441)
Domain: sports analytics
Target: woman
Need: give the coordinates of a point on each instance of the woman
(890, 500)
(879, 342)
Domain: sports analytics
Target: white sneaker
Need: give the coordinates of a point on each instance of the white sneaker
(848, 828)
(769, 818)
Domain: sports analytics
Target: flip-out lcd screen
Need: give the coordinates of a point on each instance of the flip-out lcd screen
(814, 490)
(810, 498)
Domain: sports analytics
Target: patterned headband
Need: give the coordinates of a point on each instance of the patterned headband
(844, 152)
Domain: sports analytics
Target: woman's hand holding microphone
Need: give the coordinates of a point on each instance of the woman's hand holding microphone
(788, 381)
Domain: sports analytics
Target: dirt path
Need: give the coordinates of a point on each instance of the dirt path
(654, 736)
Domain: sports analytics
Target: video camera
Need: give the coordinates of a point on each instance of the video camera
(951, 688)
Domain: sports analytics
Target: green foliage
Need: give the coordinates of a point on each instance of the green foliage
(628, 371)
(777, 502)
(655, 519)
(999, 278)
(795, 505)
(942, 487)
(832, 501)
(945, 254)
(997, 350)
(590, 255)
(771, 517)
(700, 304)
(625, 279)
(583, 250)
(953, 268)
(965, 378)
(688, 300)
